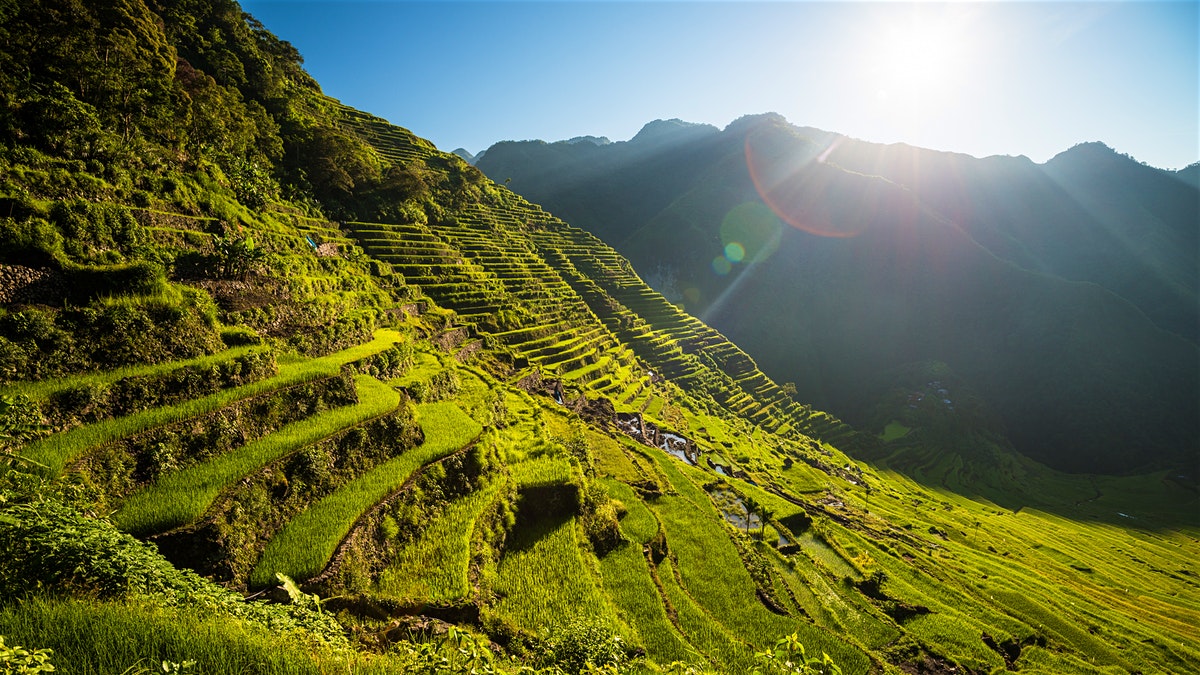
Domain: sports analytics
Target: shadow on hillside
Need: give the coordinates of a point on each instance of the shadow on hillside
(1161, 500)
(540, 511)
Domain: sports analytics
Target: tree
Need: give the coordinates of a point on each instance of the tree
(751, 507)
(764, 514)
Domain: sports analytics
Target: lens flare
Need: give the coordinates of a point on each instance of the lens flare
(790, 176)
(734, 252)
(754, 229)
(721, 265)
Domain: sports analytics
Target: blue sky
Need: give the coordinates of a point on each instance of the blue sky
(1022, 78)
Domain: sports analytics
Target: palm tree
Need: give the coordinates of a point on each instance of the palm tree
(751, 508)
(764, 514)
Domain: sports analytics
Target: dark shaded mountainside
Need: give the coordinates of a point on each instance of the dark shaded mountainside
(256, 342)
(1064, 294)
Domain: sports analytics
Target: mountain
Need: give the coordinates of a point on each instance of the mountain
(284, 389)
(1066, 292)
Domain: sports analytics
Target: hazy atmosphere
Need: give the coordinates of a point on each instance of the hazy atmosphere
(1025, 78)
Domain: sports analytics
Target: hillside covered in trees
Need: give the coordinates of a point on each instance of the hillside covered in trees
(285, 389)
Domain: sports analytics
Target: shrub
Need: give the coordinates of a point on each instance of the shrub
(236, 336)
(439, 387)
(30, 242)
(57, 550)
(583, 644)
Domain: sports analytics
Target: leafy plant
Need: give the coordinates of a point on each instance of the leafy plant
(789, 657)
(15, 660)
(237, 255)
(584, 644)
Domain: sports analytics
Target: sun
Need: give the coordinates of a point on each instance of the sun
(919, 60)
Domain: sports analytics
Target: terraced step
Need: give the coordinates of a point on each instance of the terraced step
(183, 496)
(55, 452)
(305, 546)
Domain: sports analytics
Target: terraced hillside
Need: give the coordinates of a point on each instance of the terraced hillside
(469, 438)
(565, 302)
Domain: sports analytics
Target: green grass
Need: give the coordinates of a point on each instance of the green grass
(715, 576)
(56, 451)
(894, 430)
(703, 631)
(182, 497)
(303, 548)
(628, 583)
(92, 638)
(542, 575)
(545, 470)
(638, 524)
(434, 567)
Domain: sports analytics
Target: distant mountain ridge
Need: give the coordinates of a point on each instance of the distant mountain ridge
(1065, 292)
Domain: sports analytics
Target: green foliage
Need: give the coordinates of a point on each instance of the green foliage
(789, 656)
(303, 548)
(237, 255)
(194, 113)
(92, 401)
(440, 386)
(54, 549)
(16, 660)
(584, 644)
(457, 653)
(20, 421)
(40, 343)
(182, 495)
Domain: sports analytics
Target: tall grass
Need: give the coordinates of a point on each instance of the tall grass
(714, 575)
(628, 583)
(305, 545)
(542, 471)
(434, 567)
(93, 638)
(706, 634)
(543, 577)
(56, 451)
(638, 523)
(181, 497)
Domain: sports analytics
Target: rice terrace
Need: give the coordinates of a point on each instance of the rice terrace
(286, 389)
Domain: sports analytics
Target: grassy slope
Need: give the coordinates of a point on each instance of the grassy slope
(305, 546)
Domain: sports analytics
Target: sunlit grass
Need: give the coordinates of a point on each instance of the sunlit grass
(434, 567)
(56, 451)
(714, 575)
(183, 496)
(303, 548)
(627, 581)
(544, 577)
(638, 524)
(92, 637)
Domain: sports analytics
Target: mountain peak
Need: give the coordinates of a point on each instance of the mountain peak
(746, 122)
(672, 130)
(592, 140)
(1089, 157)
